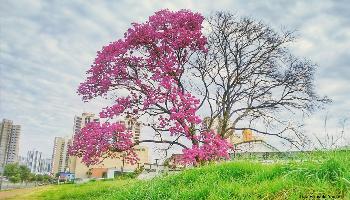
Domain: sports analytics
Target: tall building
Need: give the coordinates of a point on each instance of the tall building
(81, 121)
(60, 155)
(33, 161)
(132, 125)
(45, 166)
(36, 163)
(81, 170)
(9, 142)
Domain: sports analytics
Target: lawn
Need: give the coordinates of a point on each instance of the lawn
(319, 174)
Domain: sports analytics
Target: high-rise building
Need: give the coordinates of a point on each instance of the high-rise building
(132, 125)
(81, 121)
(81, 170)
(61, 161)
(45, 166)
(9, 142)
(60, 155)
(36, 163)
(33, 161)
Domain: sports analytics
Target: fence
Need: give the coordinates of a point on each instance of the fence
(6, 185)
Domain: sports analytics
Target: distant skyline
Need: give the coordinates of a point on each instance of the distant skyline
(46, 47)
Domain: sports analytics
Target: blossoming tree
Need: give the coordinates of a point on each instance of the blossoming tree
(166, 71)
(150, 64)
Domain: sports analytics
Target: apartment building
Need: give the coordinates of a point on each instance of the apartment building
(60, 157)
(33, 161)
(9, 142)
(80, 170)
(45, 166)
(81, 121)
(132, 125)
(36, 163)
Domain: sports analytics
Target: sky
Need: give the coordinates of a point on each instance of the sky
(47, 46)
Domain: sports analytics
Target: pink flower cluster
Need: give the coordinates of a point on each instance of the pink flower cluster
(148, 63)
(121, 105)
(213, 147)
(96, 141)
(155, 49)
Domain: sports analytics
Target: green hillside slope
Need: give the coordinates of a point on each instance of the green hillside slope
(326, 175)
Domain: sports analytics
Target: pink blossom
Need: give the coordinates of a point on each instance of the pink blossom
(96, 141)
(148, 63)
(213, 147)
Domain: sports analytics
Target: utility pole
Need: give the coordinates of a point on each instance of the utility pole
(1, 181)
(123, 164)
(1, 175)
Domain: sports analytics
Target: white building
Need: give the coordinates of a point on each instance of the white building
(33, 161)
(36, 163)
(45, 166)
(256, 146)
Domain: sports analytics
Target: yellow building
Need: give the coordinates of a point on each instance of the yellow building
(81, 121)
(132, 125)
(60, 158)
(247, 134)
(82, 171)
(216, 125)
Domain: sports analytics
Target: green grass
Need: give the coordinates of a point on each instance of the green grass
(320, 173)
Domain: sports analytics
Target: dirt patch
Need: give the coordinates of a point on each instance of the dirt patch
(25, 192)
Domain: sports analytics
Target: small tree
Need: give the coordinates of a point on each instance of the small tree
(39, 178)
(25, 173)
(12, 172)
(47, 178)
(17, 173)
(32, 178)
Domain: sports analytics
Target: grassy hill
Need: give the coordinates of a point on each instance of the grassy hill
(319, 174)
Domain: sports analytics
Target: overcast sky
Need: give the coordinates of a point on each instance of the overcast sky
(46, 47)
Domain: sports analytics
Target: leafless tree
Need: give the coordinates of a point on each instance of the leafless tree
(249, 77)
(332, 140)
